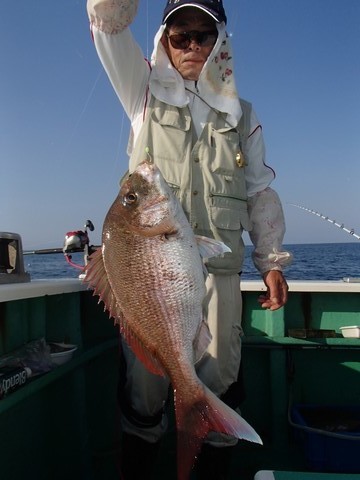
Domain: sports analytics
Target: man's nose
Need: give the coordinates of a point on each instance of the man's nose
(194, 45)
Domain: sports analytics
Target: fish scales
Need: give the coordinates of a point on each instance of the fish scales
(166, 287)
(150, 276)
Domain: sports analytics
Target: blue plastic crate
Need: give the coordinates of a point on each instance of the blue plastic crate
(330, 436)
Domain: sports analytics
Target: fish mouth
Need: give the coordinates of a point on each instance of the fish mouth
(147, 168)
(149, 173)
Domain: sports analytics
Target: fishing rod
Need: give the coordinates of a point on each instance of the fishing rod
(43, 251)
(324, 217)
(75, 241)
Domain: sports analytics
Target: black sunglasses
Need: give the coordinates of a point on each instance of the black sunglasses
(181, 41)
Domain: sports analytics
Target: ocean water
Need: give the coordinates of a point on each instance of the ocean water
(321, 261)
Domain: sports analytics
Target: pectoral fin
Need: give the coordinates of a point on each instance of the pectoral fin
(208, 247)
(201, 341)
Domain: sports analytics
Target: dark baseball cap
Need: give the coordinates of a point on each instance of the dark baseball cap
(213, 7)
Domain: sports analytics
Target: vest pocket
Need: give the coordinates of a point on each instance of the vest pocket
(226, 145)
(228, 219)
(226, 177)
(229, 213)
(171, 117)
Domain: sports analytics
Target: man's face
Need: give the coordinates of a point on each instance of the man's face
(190, 60)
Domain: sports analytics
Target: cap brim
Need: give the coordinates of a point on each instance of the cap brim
(191, 5)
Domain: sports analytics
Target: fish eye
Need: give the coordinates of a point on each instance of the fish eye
(130, 198)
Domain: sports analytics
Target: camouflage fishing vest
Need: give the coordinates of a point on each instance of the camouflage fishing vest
(205, 173)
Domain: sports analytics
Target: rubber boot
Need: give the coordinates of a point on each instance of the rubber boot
(213, 463)
(138, 458)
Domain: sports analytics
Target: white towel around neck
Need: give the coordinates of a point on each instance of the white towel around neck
(216, 84)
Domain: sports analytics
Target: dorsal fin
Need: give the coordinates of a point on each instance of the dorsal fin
(96, 277)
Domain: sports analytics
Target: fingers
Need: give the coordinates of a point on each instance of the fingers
(277, 291)
(271, 303)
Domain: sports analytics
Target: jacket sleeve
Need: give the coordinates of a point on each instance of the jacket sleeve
(111, 16)
(120, 55)
(268, 229)
(265, 209)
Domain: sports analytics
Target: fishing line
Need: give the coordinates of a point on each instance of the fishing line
(232, 21)
(77, 123)
(324, 217)
(147, 29)
(118, 150)
(87, 101)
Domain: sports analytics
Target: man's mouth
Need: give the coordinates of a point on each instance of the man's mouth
(192, 60)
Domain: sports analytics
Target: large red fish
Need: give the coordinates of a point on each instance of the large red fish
(149, 274)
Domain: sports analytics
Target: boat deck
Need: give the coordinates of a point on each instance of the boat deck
(69, 416)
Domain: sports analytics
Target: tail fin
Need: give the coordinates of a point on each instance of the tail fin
(195, 421)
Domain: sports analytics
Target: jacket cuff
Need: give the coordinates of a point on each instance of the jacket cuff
(268, 229)
(111, 16)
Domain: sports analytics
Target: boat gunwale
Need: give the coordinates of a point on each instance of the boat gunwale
(40, 288)
(56, 286)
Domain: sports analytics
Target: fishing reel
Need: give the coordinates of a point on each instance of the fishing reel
(78, 241)
(75, 241)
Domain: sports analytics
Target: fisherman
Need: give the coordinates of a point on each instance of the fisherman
(185, 111)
